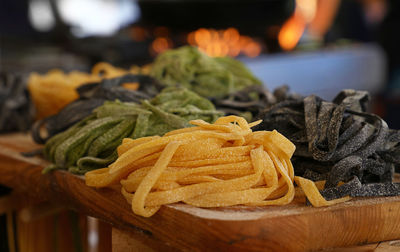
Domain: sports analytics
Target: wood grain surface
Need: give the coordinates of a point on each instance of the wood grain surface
(295, 227)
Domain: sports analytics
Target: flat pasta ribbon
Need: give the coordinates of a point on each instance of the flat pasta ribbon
(210, 165)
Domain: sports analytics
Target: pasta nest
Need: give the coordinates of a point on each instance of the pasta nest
(209, 165)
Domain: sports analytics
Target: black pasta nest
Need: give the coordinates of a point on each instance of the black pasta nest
(16, 110)
(251, 101)
(338, 141)
(93, 95)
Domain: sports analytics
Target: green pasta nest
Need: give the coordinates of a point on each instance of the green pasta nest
(92, 142)
(207, 76)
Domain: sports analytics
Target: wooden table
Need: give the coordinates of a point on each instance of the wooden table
(295, 227)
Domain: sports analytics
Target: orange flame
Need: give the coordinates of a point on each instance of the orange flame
(252, 49)
(160, 44)
(219, 43)
(291, 32)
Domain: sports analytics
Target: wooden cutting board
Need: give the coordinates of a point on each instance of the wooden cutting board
(295, 227)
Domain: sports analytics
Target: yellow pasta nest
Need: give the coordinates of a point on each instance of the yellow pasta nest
(53, 91)
(210, 165)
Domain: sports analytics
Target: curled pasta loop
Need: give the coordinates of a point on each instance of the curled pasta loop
(210, 165)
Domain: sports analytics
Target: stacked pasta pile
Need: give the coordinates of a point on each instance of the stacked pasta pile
(210, 165)
(45, 89)
(207, 76)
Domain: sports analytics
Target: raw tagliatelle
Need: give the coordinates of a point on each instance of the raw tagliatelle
(45, 89)
(210, 165)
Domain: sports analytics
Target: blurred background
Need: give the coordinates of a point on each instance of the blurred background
(314, 46)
